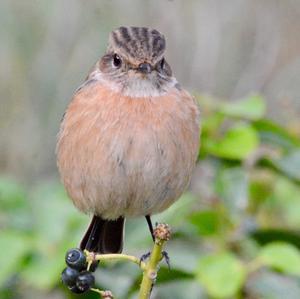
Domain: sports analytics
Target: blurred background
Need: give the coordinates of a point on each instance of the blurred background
(236, 230)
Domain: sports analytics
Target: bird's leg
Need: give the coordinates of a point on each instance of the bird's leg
(149, 222)
(145, 256)
(148, 218)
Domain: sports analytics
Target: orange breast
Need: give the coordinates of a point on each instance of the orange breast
(127, 156)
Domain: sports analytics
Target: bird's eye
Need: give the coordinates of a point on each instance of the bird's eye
(117, 60)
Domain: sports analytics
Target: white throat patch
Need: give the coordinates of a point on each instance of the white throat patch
(143, 87)
(136, 87)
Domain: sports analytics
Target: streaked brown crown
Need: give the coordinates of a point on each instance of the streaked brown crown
(137, 44)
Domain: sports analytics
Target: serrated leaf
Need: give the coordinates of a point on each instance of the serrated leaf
(237, 143)
(221, 274)
(281, 256)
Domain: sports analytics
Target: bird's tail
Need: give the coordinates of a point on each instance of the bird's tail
(104, 236)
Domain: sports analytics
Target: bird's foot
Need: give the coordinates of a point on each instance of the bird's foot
(165, 256)
(144, 257)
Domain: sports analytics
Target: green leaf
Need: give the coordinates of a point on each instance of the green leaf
(184, 255)
(207, 222)
(271, 235)
(14, 206)
(14, 246)
(211, 123)
(221, 274)
(178, 289)
(12, 195)
(120, 279)
(289, 164)
(274, 134)
(281, 256)
(53, 213)
(232, 187)
(177, 213)
(286, 197)
(238, 143)
(254, 107)
(57, 225)
(270, 285)
(44, 269)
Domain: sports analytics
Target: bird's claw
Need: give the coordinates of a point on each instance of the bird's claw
(145, 257)
(166, 257)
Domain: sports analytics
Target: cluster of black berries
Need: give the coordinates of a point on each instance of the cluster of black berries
(75, 276)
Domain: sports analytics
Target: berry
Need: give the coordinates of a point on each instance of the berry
(76, 259)
(85, 281)
(76, 290)
(69, 276)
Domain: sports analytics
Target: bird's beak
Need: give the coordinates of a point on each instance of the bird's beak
(145, 68)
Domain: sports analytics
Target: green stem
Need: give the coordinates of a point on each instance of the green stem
(103, 294)
(124, 257)
(114, 256)
(150, 271)
(162, 234)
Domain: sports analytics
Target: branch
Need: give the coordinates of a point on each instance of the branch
(103, 294)
(91, 257)
(162, 234)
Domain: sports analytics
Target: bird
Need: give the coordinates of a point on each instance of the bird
(129, 139)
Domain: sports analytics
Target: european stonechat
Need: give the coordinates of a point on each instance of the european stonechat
(129, 139)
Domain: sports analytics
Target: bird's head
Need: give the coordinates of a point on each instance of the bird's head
(135, 62)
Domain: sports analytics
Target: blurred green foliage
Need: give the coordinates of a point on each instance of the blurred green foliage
(235, 234)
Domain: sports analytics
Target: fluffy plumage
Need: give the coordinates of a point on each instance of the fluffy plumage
(129, 141)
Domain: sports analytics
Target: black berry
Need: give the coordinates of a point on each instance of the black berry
(85, 281)
(75, 259)
(69, 276)
(76, 290)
